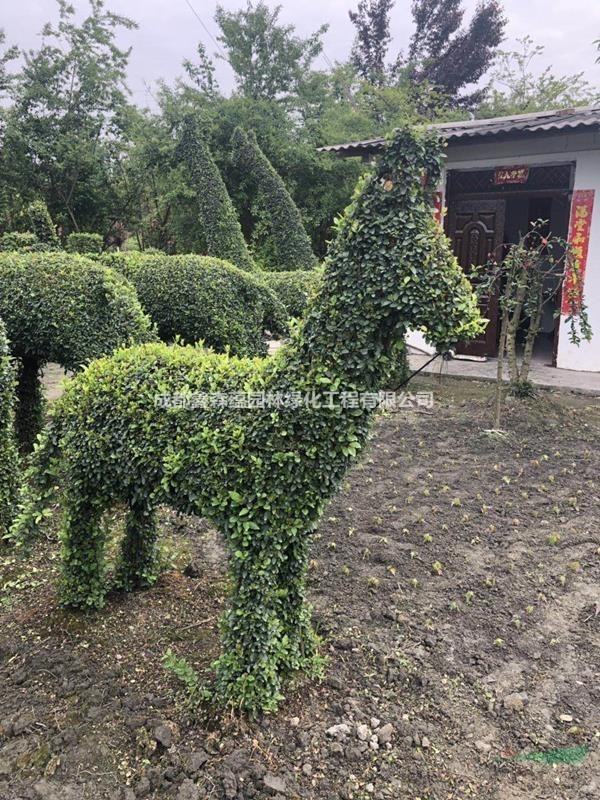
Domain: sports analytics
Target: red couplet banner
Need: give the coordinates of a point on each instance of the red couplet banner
(580, 224)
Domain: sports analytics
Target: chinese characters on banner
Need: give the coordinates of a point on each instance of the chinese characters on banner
(503, 175)
(580, 223)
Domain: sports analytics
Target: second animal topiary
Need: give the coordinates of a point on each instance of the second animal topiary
(65, 309)
(199, 298)
(8, 450)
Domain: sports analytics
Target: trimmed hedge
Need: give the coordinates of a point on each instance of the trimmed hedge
(292, 244)
(294, 289)
(197, 298)
(221, 227)
(262, 475)
(62, 308)
(84, 243)
(27, 242)
(8, 451)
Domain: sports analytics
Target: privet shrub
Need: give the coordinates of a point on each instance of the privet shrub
(222, 230)
(292, 244)
(62, 308)
(40, 223)
(261, 475)
(294, 289)
(203, 298)
(84, 243)
(16, 240)
(8, 450)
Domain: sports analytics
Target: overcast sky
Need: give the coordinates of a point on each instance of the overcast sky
(169, 31)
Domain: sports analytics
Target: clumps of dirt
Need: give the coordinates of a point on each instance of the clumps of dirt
(455, 585)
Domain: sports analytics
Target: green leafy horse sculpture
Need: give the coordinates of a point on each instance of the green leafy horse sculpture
(260, 474)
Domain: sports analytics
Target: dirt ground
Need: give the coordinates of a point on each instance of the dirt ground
(455, 582)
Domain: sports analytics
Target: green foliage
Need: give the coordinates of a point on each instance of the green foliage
(41, 225)
(294, 289)
(63, 137)
(516, 88)
(9, 469)
(23, 241)
(269, 61)
(220, 225)
(292, 245)
(450, 56)
(261, 475)
(185, 674)
(66, 309)
(195, 298)
(84, 243)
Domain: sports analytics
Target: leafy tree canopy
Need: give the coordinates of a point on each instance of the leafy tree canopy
(516, 88)
(268, 58)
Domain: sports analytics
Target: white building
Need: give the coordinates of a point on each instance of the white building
(554, 161)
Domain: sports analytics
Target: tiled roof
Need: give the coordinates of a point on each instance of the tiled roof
(566, 118)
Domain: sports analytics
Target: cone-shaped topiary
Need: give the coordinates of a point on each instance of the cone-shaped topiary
(66, 309)
(203, 298)
(292, 244)
(221, 227)
(40, 223)
(8, 450)
(260, 473)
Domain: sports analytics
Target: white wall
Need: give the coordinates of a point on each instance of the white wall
(587, 356)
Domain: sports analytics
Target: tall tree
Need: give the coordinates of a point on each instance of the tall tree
(269, 60)
(451, 57)
(64, 133)
(8, 55)
(516, 88)
(372, 22)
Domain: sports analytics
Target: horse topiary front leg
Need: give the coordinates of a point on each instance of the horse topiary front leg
(295, 613)
(266, 632)
(139, 553)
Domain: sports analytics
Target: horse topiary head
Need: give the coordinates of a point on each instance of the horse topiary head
(390, 268)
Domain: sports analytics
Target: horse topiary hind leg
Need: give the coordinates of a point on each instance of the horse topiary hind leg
(83, 581)
(253, 640)
(139, 553)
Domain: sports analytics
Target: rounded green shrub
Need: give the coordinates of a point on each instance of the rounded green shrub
(21, 241)
(292, 245)
(156, 425)
(294, 289)
(66, 309)
(197, 298)
(8, 450)
(84, 243)
(220, 225)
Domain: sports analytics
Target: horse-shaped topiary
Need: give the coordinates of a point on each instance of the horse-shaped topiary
(256, 446)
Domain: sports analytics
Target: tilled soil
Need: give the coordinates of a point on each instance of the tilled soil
(455, 581)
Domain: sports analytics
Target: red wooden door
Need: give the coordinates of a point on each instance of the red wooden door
(476, 229)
